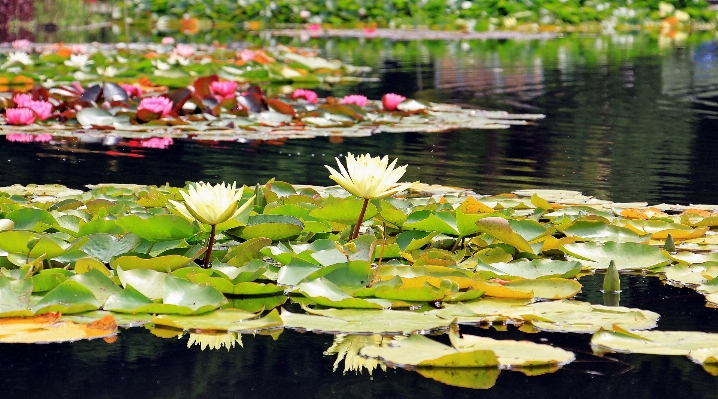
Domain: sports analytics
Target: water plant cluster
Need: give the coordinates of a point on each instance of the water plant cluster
(426, 260)
(190, 16)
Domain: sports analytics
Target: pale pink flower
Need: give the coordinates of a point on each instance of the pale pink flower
(19, 116)
(168, 40)
(20, 137)
(22, 99)
(357, 99)
(43, 138)
(21, 44)
(314, 27)
(78, 49)
(43, 109)
(308, 95)
(132, 90)
(161, 105)
(247, 55)
(158, 142)
(184, 50)
(223, 90)
(304, 14)
(390, 101)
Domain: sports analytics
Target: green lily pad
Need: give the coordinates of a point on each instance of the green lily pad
(361, 321)
(105, 246)
(274, 227)
(158, 228)
(15, 297)
(344, 211)
(652, 342)
(165, 263)
(602, 232)
(627, 256)
(100, 285)
(532, 269)
(28, 243)
(500, 229)
(68, 297)
(221, 320)
(325, 293)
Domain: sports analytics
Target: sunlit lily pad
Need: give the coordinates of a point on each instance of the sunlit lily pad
(232, 320)
(652, 342)
(537, 268)
(356, 321)
(627, 256)
(47, 328)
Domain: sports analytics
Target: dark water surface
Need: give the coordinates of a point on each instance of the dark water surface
(629, 118)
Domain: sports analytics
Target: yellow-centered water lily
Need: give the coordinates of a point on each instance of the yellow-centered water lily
(211, 204)
(369, 177)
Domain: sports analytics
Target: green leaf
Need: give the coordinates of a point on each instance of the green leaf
(531, 269)
(501, 229)
(31, 219)
(628, 256)
(344, 211)
(100, 285)
(15, 297)
(165, 263)
(274, 227)
(598, 231)
(105, 246)
(361, 321)
(246, 251)
(68, 297)
(232, 320)
(159, 227)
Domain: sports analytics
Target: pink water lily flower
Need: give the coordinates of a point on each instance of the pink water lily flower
(161, 105)
(223, 90)
(247, 55)
(22, 99)
(308, 95)
(78, 49)
(43, 138)
(43, 109)
(21, 44)
(132, 90)
(357, 99)
(158, 142)
(390, 101)
(20, 116)
(184, 50)
(168, 40)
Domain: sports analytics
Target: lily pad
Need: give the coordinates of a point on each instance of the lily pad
(627, 256)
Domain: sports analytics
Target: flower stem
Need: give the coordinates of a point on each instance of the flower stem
(209, 248)
(355, 234)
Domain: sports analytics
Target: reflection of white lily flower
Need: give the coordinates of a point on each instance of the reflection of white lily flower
(177, 59)
(108, 72)
(18, 57)
(80, 61)
(161, 66)
(215, 341)
(347, 348)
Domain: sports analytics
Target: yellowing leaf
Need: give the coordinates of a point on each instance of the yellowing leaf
(47, 328)
(472, 205)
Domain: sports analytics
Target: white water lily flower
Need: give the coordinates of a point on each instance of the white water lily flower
(109, 72)
(80, 61)
(369, 177)
(177, 59)
(211, 204)
(18, 57)
(161, 66)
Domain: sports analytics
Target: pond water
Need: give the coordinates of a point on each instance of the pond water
(628, 118)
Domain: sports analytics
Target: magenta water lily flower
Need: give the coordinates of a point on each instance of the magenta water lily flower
(390, 101)
(43, 109)
(310, 96)
(356, 99)
(22, 99)
(223, 90)
(161, 105)
(132, 90)
(20, 116)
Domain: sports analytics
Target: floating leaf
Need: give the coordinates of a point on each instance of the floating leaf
(652, 342)
(68, 297)
(232, 320)
(500, 229)
(628, 256)
(159, 227)
(359, 321)
(46, 329)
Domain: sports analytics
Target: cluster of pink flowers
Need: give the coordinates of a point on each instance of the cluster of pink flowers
(27, 111)
(132, 90)
(310, 96)
(160, 105)
(223, 90)
(184, 50)
(356, 99)
(28, 138)
(390, 101)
